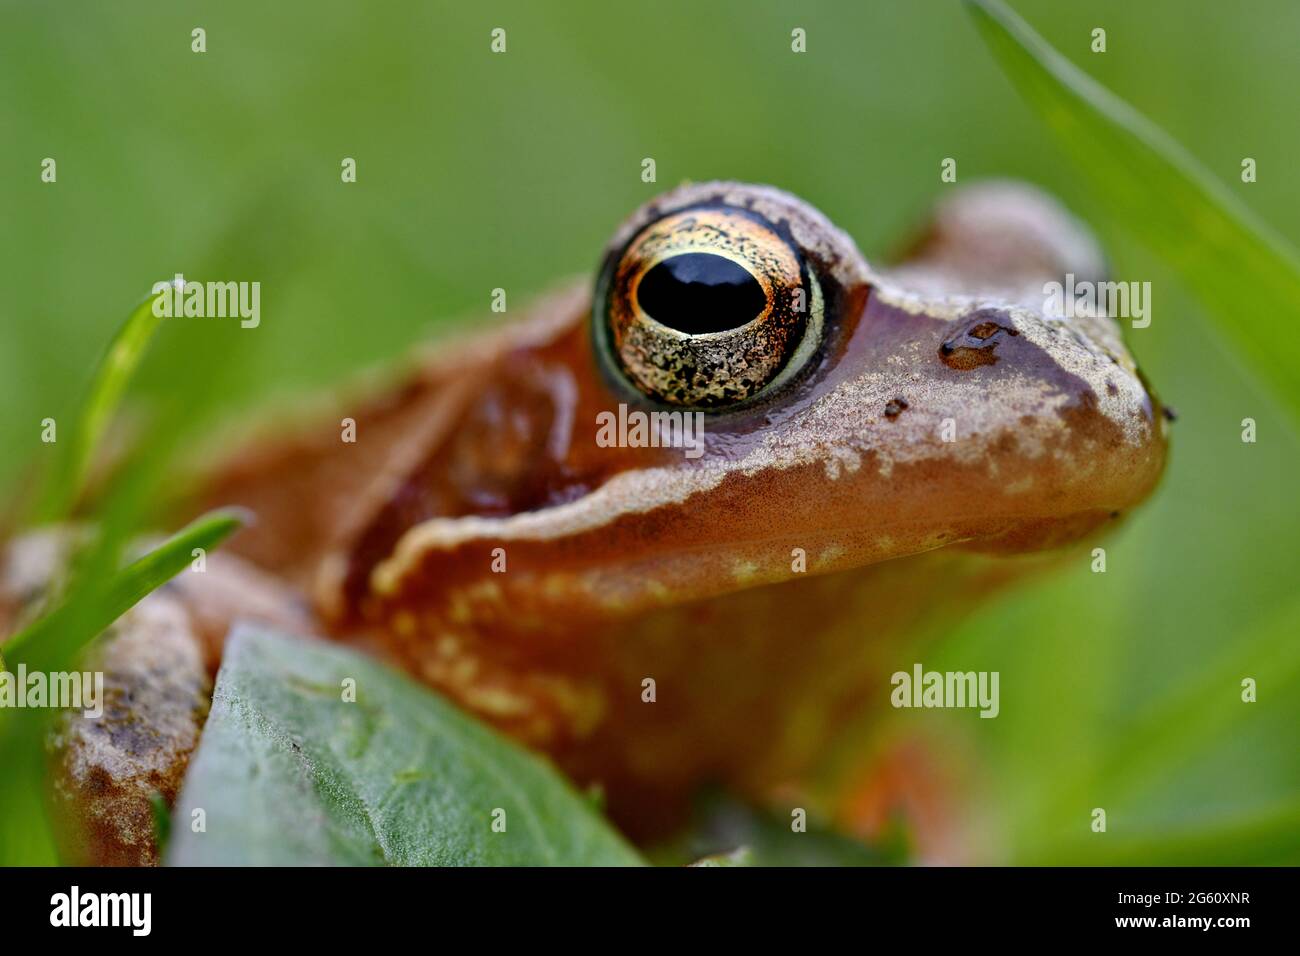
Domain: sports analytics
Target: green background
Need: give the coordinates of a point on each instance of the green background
(476, 171)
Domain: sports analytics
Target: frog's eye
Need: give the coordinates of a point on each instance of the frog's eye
(708, 307)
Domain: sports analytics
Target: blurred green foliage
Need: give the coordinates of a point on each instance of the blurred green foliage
(475, 171)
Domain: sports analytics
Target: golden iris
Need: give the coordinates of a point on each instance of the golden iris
(708, 307)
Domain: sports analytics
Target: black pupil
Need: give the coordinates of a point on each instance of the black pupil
(698, 292)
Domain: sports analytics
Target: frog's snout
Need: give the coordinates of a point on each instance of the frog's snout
(993, 421)
(1078, 430)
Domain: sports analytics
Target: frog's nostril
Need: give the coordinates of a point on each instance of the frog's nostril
(699, 292)
(988, 329)
(975, 344)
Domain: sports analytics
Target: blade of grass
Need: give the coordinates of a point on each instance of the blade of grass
(26, 832)
(1245, 272)
(111, 377)
(96, 586)
(27, 835)
(90, 609)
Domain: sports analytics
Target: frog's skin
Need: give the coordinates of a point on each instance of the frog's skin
(623, 564)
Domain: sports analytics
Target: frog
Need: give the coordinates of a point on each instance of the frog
(815, 456)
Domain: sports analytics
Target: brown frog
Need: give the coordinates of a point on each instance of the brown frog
(671, 528)
(481, 529)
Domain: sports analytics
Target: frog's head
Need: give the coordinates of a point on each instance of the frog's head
(849, 415)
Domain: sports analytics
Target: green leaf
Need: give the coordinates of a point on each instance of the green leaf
(288, 772)
(1247, 274)
(109, 383)
(93, 606)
